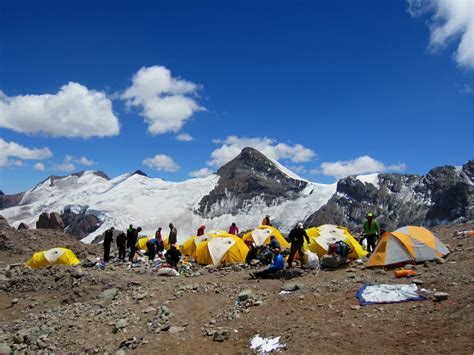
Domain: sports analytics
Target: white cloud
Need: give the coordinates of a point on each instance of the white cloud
(201, 173)
(184, 137)
(358, 166)
(74, 111)
(161, 162)
(10, 150)
(232, 146)
(166, 102)
(450, 20)
(39, 167)
(85, 161)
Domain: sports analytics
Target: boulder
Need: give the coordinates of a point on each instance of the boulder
(23, 226)
(43, 221)
(292, 286)
(50, 221)
(440, 296)
(245, 295)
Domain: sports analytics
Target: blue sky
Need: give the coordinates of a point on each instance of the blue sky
(327, 88)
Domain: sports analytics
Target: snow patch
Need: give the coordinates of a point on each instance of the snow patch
(369, 179)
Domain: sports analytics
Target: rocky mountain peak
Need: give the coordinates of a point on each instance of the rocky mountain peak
(249, 176)
(139, 172)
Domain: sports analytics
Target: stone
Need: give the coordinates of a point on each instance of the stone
(14, 301)
(77, 272)
(417, 282)
(109, 294)
(175, 330)
(221, 335)
(140, 296)
(439, 260)
(23, 226)
(440, 296)
(120, 324)
(355, 307)
(254, 262)
(130, 343)
(5, 349)
(292, 286)
(245, 295)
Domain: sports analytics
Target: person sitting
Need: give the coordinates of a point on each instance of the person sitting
(336, 256)
(172, 256)
(274, 244)
(252, 254)
(234, 229)
(277, 265)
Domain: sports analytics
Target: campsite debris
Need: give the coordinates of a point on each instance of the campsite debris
(266, 345)
(292, 286)
(440, 296)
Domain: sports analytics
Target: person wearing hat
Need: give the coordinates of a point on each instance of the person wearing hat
(371, 232)
(266, 221)
(252, 254)
(297, 237)
(277, 265)
(274, 243)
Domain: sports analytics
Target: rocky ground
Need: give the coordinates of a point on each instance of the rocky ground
(218, 310)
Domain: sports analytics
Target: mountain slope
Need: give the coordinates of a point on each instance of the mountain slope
(444, 195)
(243, 191)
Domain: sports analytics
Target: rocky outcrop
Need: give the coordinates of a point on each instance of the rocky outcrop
(10, 200)
(249, 178)
(23, 226)
(50, 221)
(444, 195)
(79, 221)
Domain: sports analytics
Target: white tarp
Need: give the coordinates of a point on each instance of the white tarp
(265, 345)
(383, 293)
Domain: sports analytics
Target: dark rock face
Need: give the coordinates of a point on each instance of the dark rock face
(23, 226)
(79, 223)
(50, 221)
(249, 178)
(10, 200)
(139, 172)
(444, 195)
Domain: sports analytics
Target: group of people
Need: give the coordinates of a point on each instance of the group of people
(128, 243)
(270, 254)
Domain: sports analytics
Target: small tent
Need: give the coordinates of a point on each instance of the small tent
(262, 234)
(190, 245)
(223, 248)
(408, 244)
(53, 256)
(326, 234)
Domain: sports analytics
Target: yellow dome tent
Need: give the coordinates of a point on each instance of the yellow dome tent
(407, 244)
(262, 234)
(190, 245)
(327, 233)
(53, 256)
(223, 248)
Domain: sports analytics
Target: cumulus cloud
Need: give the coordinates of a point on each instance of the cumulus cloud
(166, 102)
(232, 146)
(360, 165)
(184, 137)
(161, 162)
(9, 150)
(201, 173)
(39, 167)
(450, 20)
(74, 111)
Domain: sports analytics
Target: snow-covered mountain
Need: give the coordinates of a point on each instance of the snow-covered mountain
(242, 191)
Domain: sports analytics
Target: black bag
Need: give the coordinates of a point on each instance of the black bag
(342, 248)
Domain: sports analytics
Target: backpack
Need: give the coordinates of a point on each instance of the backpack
(342, 248)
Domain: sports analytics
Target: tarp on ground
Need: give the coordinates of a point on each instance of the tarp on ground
(383, 293)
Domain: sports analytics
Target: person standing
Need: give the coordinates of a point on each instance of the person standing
(121, 245)
(133, 243)
(200, 230)
(159, 240)
(173, 237)
(129, 235)
(108, 238)
(234, 229)
(371, 232)
(266, 221)
(297, 237)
